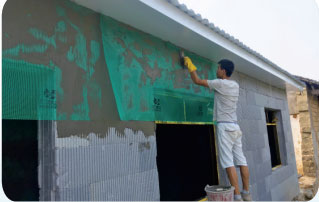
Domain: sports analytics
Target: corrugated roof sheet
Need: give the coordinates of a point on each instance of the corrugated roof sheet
(232, 39)
(310, 81)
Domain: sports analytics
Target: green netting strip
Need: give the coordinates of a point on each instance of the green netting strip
(139, 63)
(28, 91)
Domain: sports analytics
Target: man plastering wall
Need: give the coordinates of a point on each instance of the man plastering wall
(228, 131)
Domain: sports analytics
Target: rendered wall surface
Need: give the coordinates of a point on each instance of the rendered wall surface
(148, 81)
(78, 56)
(93, 149)
(266, 184)
(45, 36)
(96, 154)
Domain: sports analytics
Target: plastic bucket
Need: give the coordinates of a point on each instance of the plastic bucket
(220, 193)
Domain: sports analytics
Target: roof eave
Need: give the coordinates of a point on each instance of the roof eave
(168, 22)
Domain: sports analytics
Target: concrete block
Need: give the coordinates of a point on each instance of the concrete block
(265, 154)
(258, 156)
(261, 100)
(249, 157)
(265, 196)
(255, 138)
(239, 112)
(235, 77)
(268, 185)
(261, 191)
(263, 170)
(251, 112)
(242, 99)
(279, 104)
(251, 166)
(249, 83)
(250, 98)
(263, 88)
(262, 126)
(286, 190)
(265, 135)
(281, 174)
(278, 93)
(254, 192)
(263, 114)
(272, 104)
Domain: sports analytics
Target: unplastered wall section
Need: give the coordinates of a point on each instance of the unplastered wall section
(266, 184)
(313, 102)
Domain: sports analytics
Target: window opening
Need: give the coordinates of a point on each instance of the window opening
(271, 121)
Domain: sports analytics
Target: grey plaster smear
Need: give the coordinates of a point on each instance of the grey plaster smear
(82, 129)
(126, 163)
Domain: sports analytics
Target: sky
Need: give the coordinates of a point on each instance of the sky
(285, 32)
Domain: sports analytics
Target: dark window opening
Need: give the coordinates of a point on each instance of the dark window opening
(20, 160)
(186, 161)
(272, 121)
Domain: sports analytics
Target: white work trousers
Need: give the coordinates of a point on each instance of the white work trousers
(229, 145)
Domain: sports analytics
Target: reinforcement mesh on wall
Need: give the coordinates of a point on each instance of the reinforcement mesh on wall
(148, 82)
(28, 91)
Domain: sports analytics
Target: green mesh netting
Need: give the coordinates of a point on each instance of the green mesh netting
(172, 106)
(148, 82)
(28, 91)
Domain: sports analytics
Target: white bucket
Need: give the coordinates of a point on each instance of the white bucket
(220, 193)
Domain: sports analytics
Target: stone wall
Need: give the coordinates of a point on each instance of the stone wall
(314, 106)
(305, 107)
(308, 140)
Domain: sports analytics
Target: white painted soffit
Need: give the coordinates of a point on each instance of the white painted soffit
(170, 21)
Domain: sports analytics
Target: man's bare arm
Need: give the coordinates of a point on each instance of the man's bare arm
(197, 80)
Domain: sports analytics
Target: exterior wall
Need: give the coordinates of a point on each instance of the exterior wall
(314, 107)
(313, 102)
(307, 139)
(294, 119)
(266, 184)
(100, 159)
(120, 166)
(304, 106)
(109, 159)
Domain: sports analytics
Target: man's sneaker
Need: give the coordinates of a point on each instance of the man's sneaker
(246, 197)
(237, 197)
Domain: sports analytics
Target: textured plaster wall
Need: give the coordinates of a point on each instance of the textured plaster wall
(97, 159)
(109, 159)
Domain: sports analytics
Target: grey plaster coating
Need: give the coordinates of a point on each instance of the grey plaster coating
(73, 77)
(95, 160)
(109, 168)
(84, 128)
(264, 180)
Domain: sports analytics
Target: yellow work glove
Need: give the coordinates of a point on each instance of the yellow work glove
(188, 63)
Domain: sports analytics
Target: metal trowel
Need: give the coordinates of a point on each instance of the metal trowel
(181, 58)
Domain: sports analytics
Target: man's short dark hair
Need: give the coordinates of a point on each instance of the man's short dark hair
(227, 65)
